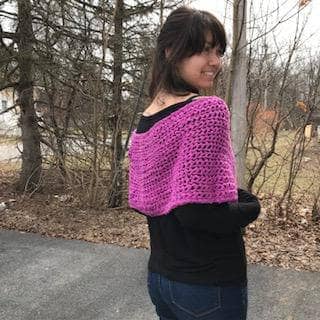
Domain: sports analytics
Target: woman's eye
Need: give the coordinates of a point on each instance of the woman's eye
(220, 53)
(209, 50)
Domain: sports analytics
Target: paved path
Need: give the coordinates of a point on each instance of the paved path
(56, 279)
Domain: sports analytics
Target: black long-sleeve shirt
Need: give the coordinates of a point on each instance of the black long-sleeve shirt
(200, 243)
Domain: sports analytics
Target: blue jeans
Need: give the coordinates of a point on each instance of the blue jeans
(181, 301)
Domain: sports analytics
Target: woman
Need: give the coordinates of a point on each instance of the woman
(182, 178)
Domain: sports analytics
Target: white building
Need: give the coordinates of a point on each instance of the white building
(8, 120)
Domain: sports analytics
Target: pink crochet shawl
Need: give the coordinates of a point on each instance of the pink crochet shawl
(184, 158)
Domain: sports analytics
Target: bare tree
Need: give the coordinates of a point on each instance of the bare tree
(115, 194)
(31, 155)
(278, 83)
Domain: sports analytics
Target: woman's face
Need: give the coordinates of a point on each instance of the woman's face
(200, 69)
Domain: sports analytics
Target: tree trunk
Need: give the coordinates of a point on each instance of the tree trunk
(115, 194)
(31, 155)
(237, 88)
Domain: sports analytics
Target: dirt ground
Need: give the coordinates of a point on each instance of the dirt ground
(289, 243)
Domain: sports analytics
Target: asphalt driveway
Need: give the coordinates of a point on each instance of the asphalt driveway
(56, 279)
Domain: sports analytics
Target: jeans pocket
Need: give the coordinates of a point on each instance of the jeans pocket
(195, 300)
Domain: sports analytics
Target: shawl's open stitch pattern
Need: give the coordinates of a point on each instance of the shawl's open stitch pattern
(184, 158)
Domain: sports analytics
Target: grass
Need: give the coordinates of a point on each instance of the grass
(274, 177)
(9, 139)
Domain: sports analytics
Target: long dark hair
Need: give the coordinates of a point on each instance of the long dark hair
(183, 34)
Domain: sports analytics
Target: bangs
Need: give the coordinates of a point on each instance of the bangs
(202, 24)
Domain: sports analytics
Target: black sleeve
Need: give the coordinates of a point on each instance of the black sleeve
(248, 207)
(220, 218)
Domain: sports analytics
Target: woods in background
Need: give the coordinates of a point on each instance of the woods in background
(80, 69)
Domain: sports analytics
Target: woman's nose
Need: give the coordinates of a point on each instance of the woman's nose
(214, 59)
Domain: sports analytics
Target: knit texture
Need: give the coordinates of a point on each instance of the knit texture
(184, 158)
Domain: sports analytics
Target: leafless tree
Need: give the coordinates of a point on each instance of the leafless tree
(278, 87)
(90, 62)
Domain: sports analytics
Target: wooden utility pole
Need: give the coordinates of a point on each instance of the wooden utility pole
(236, 96)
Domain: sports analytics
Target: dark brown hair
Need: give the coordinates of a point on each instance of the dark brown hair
(183, 34)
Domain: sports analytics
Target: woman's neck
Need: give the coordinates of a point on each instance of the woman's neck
(163, 99)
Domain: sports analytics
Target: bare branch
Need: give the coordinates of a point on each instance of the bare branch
(9, 85)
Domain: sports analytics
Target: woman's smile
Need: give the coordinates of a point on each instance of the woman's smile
(209, 74)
